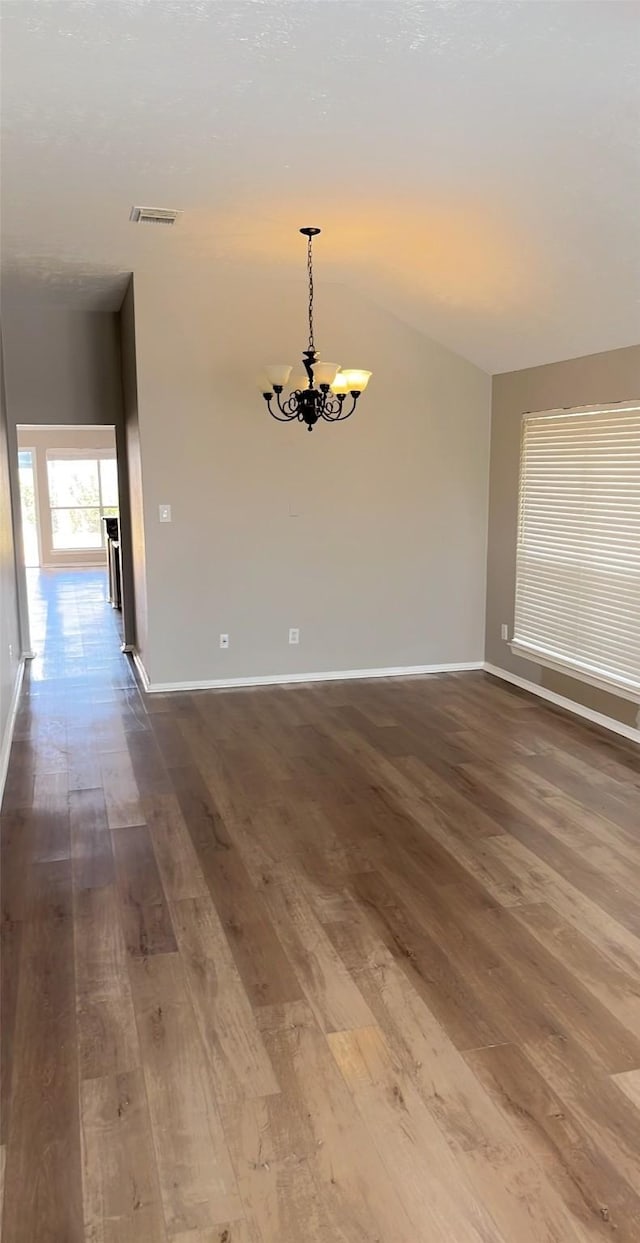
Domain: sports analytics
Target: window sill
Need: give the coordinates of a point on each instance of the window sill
(592, 678)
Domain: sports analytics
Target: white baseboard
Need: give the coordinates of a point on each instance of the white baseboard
(597, 718)
(7, 739)
(142, 673)
(285, 679)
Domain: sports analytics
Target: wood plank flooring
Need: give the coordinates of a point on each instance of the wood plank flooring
(337, 963)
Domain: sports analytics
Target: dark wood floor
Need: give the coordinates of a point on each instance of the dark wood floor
(346, 962)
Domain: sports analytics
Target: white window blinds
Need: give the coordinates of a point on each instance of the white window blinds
(578, 557)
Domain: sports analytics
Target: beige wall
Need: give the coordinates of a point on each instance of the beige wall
(40, 439)
(609, 377)
(64, 367)
(370, 537)
(10, 646)
(61, 366)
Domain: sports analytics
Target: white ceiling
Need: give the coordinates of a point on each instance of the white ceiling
(475, 166)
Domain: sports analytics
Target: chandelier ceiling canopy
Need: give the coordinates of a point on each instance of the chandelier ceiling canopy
(327, 387)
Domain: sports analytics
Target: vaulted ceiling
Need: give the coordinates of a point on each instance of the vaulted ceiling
(475, 166)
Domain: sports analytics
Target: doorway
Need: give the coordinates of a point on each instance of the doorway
(70, 510)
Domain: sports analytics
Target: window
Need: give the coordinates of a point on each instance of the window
(82, 490)
(577, 603)
(29, 507)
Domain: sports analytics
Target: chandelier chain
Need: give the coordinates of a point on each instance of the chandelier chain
(310, 272)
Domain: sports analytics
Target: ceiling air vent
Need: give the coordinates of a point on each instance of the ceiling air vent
(153, 215)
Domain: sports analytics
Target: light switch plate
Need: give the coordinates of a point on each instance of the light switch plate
(165, 513)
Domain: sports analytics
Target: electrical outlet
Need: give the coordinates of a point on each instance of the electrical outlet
(224, 640)
(504, 631)
(165, 513)
(294, 635)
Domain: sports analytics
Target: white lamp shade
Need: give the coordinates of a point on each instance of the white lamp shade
(262, 383)
(298, 379)
(356, 381)
(278, 373)
(325, 373)
(339, 385)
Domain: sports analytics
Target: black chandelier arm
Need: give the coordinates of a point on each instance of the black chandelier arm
(290, 407)
(284, 417)
(330, 404)
(342, 414)
(310, 405)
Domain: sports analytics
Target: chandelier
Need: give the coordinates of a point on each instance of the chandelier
(326, 388)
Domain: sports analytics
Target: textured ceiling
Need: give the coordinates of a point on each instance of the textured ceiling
(475, 166)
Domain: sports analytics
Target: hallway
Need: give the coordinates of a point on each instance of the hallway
(340, 962)
(74, 633)
(73, 685)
